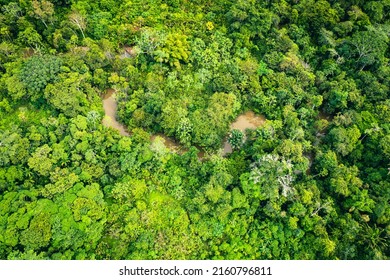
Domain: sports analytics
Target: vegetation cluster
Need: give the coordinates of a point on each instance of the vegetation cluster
(311, 183)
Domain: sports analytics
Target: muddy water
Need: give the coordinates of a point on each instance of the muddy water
(110, 107)
(244, 121)
(248, 120)
(168, 142)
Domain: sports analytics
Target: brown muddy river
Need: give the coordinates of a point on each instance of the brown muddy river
(110, 107)
(244, 121)
(168, 142)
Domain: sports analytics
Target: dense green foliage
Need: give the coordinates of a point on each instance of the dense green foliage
(311, 183)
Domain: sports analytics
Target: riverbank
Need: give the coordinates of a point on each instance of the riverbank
(247, 120)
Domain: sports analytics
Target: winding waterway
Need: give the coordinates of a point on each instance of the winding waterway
(110, 107)
(247, 120)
